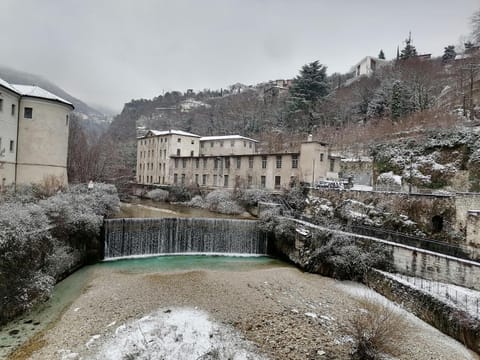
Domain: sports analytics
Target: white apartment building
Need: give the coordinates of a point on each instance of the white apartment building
(175, 157)
(33, 134)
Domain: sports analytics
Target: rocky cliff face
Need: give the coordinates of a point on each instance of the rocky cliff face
(445, 159)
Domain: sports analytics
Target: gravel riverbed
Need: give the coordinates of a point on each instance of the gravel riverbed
(280, 311)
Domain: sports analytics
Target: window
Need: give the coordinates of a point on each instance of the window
(201, 145)
(279, 162)
(28, 113)
(183, 179)
(249, 180)
(263, 180)
(196, 179)
(232, 143)
(264, 162)
(66, 118)
(204, 179)
(277, 182)
(165, 153)
(176, 163)
(214, 180)
(191, 153)
(178, 152)
(244, 144)
(204, 163)
(215, 163)
(1, 104)
(227, 163)
(211, 144)
(250, 145)
(250, 162)
(175, 178)
(193, 142)
(197, 163)
(294, 161)
(332, 165)
(221, 143)
(184, 163)
(321, 157)
(12, 146)
(239, 162)
(179, 140)
(13, 111)
(225, 181)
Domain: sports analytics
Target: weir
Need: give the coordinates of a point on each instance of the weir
(155, 236)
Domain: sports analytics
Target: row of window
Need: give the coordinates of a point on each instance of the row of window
(27, 111)
(205, 177)
(232, 144)
(218, 162)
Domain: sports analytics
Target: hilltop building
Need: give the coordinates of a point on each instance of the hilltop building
(176, 157)
(368, 65)
(33, 134)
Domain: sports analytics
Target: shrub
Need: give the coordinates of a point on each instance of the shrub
(157, 195)
(222, 201)
(25, 245)
(179, 194)
(377, 330)
(343, 258)
(251, 197)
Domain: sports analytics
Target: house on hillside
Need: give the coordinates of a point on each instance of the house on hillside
(175, 157)
(368, 65)
(33, 134)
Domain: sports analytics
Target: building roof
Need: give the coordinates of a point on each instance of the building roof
(38, 92)
(226, 137)
(169, 132)
(6, 85)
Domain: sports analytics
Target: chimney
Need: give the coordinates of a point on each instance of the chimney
(310, 137)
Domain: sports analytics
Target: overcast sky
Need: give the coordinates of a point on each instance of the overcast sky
(111, 51)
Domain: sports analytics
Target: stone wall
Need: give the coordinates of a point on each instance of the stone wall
(406, 260)
(418, 207)
(447, 319)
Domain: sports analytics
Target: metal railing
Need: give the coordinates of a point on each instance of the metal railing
(412, 240)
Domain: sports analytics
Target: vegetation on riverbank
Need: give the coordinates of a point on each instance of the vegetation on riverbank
(44, 232)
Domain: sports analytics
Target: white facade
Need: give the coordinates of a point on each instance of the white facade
(368, 65)
(34, 134)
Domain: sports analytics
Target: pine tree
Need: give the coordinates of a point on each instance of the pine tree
(308, 89)
(449, 53)
(381, 55)
(409, 50)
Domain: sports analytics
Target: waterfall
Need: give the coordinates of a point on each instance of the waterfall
(130, 237)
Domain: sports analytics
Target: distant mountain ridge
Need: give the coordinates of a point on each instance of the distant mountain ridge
(22, 78)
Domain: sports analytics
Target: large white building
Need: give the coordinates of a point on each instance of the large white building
(33, 134)
(176, 157)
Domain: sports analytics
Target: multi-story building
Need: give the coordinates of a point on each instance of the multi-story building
(33, 134)
(178, 158)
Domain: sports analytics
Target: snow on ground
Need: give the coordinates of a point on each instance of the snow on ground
(448, 344)
(456, 296)
(176, 334)
(362, 187)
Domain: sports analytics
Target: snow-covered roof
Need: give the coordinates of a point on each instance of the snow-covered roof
(226, 137)
(38, 92)
(172, 132)
(8, 86)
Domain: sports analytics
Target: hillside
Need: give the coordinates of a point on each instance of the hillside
(22, 78)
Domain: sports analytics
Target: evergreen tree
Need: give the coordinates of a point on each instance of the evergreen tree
(308, 89)
(409, 50)
(401, 100)
(381, 55)
(449, 53)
